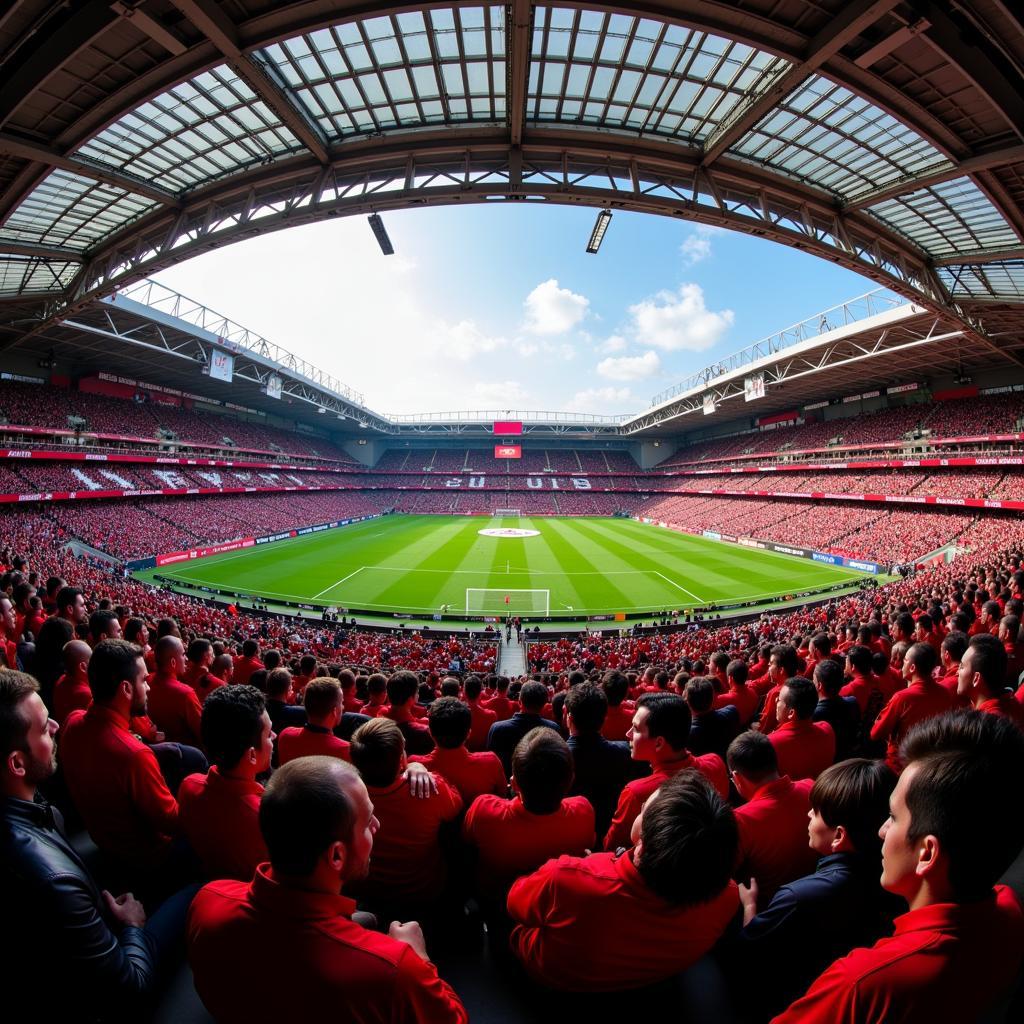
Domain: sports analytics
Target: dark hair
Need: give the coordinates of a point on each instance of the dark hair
(278, 681)
(753, 755)
(969, 771)
(855, 794)
(699, 694)
(377, 684)
(738, 671)
(720, 660)
(924, 659)
(401, 686)
(15, 688)
(989, 659)
(786, 656)
(99, 623)
(668, 717)
(377, 749)
(615, 686)
(66, 596)
(112, 662)
(689, 841)
(904, 622)
(829, 675)
(472, 687)
(799, 694)
(232, 723)
(860, 659)
(307, 666)
(450, 687)
(533, 697)
(198, 649)
(132, 628)
(303, 811)
(822, 643)
(450, 722)
(543, 767)
(588, 707)
(321, 696)
(250, 648)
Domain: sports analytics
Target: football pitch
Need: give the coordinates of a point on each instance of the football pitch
(417, 565)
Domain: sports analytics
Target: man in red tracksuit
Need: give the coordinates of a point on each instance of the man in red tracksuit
(319, 827)
(951, 834)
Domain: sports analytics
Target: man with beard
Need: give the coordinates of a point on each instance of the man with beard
(99, 947)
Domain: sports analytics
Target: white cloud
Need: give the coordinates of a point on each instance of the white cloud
(630, 367)
(462, 341)
(553, 310)
(695, 248)
(500, 394)
(673, 321)
(616, 343)
(603, 401)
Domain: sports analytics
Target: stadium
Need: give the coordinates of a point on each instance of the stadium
(628, 654)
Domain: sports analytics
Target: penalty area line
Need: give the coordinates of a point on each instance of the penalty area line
(339, 583)
(699, 600)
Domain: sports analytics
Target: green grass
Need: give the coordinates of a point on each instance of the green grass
(416, 564)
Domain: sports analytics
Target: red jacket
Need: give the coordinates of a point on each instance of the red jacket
(244, 668)
(804, 748)
(340, 970)
(116, 785)
(175, 708)
(633, 795)
(501, 706)
(308, 740)
(920, 700)
(513, 842)
(70, 695)
(773, 836)
(482, 718)
(591, 924)
(944, 962)
(470, 774)
(743, 697)
(618, 720)
(220, 819)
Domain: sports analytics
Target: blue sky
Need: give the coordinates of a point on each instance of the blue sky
(499, 307)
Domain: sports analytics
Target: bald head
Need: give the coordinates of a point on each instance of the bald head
(76, 655)
(167, 649)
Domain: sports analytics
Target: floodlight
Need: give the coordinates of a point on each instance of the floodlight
(604, 218)
(321, 410)
(381, 234)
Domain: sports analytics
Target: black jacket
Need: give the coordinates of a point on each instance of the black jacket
(600, 769)
(504, 736)
(58, 943)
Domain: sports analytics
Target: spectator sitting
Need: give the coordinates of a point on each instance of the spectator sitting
(500, 703)
(279, 702)
(319, 826)
(103, 625)
(247, 662)
(377, 690)
(408, 866)
(842, 713)
(198, 672)
(954, 647)
(786, 944)
(983, 679)
(102, 949)
(772, 823)
(402, 689)
(620, 711)
(710, 730)
(470, 773)
(71, 692)
(805, 748)
(219, 811)
(782, 665)
(666, 901)
(350, 720)
(947, 841)
(504, 735)
(482, 718)
(738, 694)
(173, 705)
(516, 836)
(323, 705)
(859, 664)
(658, 735)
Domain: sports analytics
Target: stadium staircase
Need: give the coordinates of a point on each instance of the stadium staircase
(512, 658)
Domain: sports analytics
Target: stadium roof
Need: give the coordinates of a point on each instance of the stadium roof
(886, 136)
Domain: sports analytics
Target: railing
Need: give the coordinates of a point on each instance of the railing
(872, 303)
(514, 415)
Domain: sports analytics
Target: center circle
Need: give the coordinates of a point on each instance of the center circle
(508, 531)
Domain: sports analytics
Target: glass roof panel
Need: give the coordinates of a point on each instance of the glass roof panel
(1004, 280)
(29, 275)
(175, 140)
(367, 75)
(67, 209)
(949, 219)
(627, 72)
(826, 135)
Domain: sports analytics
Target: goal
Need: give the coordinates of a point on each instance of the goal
(480, 601)
(508, 513)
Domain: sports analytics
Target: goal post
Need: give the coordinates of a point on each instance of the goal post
(508, 513)
(499, 602)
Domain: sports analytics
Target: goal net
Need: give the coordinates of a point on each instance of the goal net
(508, 513)
(480, 601)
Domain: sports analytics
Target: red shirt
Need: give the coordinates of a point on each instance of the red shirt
(116, 785)
(1006, 706)
(470, 774)
(70, 695)
(860, 688)
(406, 858)
(769, 722)
(920, 700)
(340, 969)
(633, 795)
(773, 836)
(944, 962)
(175, 708)
(592, 924)
(804, 748)
(513, 842)
(308, 740)
(502, 707)
(743, 697)
(617, 721)
(483, 718)
(244, 668)
(220, 818)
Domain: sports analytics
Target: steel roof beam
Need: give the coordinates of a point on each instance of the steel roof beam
(46, 252)
(223, 33)
(848, 25)
(970, 259)
(518, 39)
